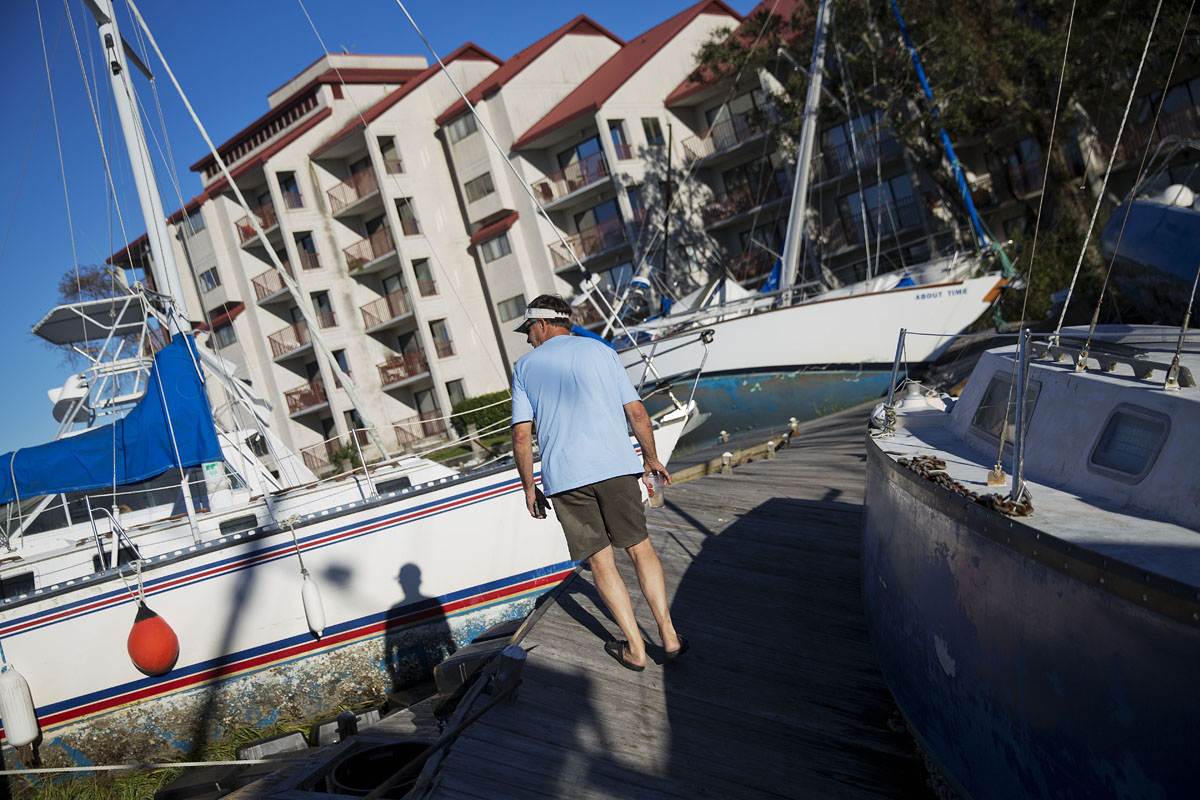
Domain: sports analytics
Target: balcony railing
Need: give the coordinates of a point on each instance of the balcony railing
(270, 282)
(398, 368)
(427, 288)
(318, 456)
(327, 319)
(746, 197)
(307, 396)
(354, 188)
(393, 166)
(722, 136)
(364, 251)
(411, 227)
(293, 200)
(267, 219)
(1184, 124)
(624, 152)
(444, 348)
(1027, 179)
(310, 261)
(588, 242)
(752, 265)
(385, 309)
(571, 178)
(425, 425)
(293, 337)
(839, 159)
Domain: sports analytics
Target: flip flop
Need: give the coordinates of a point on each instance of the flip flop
(684, 644)
(617, 650)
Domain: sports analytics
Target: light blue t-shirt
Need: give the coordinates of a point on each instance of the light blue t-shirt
(576, 389)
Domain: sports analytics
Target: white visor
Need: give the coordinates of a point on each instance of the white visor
(536, 313)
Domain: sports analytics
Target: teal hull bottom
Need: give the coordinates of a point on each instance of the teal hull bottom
(747, 402)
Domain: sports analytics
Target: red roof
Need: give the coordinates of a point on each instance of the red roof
(351, 75)
(748, 32)
(581, 25)
(261, 158)
(468, 51)
(494, 229)
(228, 313)
(613, 73)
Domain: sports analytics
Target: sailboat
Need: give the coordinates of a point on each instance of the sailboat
(162, 586)
(831, 341)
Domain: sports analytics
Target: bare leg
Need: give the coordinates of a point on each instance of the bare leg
(616, 597)
(654, 588)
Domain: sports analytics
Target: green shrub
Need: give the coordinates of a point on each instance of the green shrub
(482, 417)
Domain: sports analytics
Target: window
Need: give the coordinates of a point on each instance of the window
(1130, 442)
(324, 309)
(495, 248)
(426, 285)
(653, 130)
(461, 128)
(441, 338)
(210, 279)
(890, 207)
(581, 151)
(193, 223)
(455, 391)
(17, 585)
(306, 248)
(290, 190)
(223, 335)
(391, 157)
(613, 281)
(597, 215)
(408, 216)
(343, 363)
(616, 130)
(511, 308)
(478, 188)
(996, 409)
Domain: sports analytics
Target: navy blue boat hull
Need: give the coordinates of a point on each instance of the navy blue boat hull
(1026, 666)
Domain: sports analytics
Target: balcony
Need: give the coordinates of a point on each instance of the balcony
(293, 200)
(310, 261)
(385, 310)
(840, 159)
(367, 254)
(267, 220)
(571, 178)
(427, 288)
(393, 166)
(1026, 179)
(744, 198)
(1182, 124)
(725, 135)
(270, 286)
(425, 425)
(589, 242)
(403, 369)
(289, 341)
(444, 348)
(751, 266)
(357, 187)
(306, 399)
(319, 456)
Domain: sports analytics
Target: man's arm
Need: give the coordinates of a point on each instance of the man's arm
(639, 420)
(522, 440)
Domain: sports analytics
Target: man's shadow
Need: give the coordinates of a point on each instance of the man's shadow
(417, 636)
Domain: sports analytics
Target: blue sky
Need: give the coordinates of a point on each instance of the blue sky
(228, 56)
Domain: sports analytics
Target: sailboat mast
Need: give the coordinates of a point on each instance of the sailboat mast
(808, 137)
(166, 272)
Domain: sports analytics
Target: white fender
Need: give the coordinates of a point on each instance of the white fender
(16, 708)
(314, 610)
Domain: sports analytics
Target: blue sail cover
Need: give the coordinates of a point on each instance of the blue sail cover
(142, 437)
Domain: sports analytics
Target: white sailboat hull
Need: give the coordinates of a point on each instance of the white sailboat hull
(846, 331)
(404, 579)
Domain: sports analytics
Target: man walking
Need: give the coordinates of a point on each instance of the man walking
(578, 392)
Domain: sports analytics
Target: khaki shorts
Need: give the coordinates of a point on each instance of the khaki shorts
(600, 514)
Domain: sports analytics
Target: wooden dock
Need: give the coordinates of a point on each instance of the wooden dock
(779, 695)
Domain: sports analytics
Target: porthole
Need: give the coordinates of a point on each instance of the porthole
(1129, 443)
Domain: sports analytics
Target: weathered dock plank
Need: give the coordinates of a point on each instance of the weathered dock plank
(779, 696)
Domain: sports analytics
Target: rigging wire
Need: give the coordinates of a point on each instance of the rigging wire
(1137, 180)
(1108, 171)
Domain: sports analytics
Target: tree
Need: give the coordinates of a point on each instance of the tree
(87, 282)
(994, 66)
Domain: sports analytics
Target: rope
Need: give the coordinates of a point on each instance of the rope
(150, 765)
(1141, 171)
(1108, 171)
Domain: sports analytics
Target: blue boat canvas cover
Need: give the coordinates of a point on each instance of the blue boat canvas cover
(142, 438)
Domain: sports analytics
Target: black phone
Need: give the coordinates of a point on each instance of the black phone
(540, 504)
